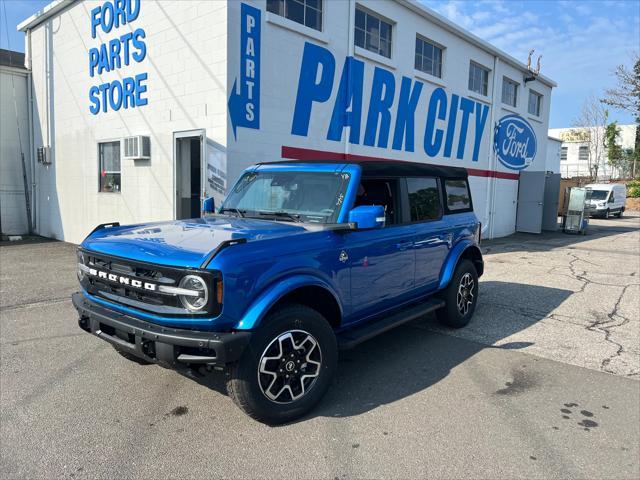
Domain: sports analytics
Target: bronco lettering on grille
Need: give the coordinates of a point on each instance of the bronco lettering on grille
(122, 280)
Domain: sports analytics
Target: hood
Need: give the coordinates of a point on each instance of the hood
(183, 243)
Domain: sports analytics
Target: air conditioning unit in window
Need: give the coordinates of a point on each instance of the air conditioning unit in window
(137, 148)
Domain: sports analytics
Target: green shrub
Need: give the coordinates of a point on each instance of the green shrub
(633, 189)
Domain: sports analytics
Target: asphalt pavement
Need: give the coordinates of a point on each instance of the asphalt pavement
(542, 384)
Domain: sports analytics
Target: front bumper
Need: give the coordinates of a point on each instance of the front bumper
(170, 347)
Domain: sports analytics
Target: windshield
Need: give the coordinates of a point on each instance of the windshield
(599, 194)
(314, 197)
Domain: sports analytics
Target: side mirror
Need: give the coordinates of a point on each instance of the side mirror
(208, 205)
(367, 216)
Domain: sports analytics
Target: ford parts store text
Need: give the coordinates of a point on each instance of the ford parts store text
(139, 109)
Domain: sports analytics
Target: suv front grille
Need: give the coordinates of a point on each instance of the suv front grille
(137, 284)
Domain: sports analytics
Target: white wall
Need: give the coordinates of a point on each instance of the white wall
(13, 94)
(553, 155)
(193, 60)
(186, 67)
(573, 166)
(283, 43)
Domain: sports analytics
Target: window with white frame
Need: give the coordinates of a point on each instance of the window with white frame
(372, 33)
(304, 12)
(535, 103)
(583, 153)
(109, 163)
(478, 79)
(509, 92)
(428, 57)
(563, 153)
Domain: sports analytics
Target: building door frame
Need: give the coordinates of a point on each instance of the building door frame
(201, 133)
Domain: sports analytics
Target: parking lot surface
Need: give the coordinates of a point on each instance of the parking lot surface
(542, 384)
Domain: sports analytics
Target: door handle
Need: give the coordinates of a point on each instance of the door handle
(446, 238)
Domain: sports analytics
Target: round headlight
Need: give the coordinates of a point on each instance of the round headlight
(198, 300)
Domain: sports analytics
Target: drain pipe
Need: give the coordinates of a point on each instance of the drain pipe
(491, 193)
(32, 154)
(350, 53)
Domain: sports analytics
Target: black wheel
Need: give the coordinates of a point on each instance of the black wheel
(461, 296)
(287, 366)
(620, 213)
(606, 214)
(132, 358)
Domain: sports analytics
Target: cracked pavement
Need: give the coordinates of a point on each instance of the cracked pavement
(571, 298)
(542, 384)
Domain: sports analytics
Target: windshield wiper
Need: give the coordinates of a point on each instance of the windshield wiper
(237, 211)
(291, 216)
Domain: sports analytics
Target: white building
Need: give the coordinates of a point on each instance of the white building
(217, 86)
(14, 142)
(578, 153)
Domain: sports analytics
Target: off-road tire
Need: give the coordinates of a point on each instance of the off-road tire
(243, 381)
(451, 315)
(133, 358)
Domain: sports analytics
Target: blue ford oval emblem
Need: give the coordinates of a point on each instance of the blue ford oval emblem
(514, 142)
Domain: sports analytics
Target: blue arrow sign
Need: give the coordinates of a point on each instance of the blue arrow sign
(244, 100)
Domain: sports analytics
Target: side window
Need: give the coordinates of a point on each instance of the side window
(304, 12)
(372, 33)
(383, 192)
(424, 201)
(458, 196)
(109, 164)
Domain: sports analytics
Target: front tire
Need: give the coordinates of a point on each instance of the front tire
(461, 296)
(606, 214)
(286, 368)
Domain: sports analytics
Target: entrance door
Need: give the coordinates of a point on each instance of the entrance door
(551, 196)
(530, 202)
(189, 147)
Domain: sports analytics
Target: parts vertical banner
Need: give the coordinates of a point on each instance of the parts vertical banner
(244, 101)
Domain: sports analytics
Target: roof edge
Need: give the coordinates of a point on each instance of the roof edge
(41, 15)
(57, 5)
(447, 24)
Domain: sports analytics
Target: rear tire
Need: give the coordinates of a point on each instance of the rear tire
(287, 366)
(461, 296)
(620, 213)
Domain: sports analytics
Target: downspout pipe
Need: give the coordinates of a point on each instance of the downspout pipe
(350, 53)
(491, 193)
(32, 149)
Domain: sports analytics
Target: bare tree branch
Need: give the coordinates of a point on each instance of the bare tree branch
(589, 128)
(626, 96)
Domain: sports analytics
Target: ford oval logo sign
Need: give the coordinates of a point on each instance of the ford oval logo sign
(514, 142)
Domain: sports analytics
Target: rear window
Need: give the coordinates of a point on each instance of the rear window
(424, 200)
(458, 196)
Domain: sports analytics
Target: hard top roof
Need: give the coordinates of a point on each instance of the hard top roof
(388, 168)
(604, 186)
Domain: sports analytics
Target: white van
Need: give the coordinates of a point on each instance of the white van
(607, 199)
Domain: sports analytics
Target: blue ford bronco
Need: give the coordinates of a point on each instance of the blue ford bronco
(302, 259)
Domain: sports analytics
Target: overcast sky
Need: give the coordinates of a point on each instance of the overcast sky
(581, 41)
